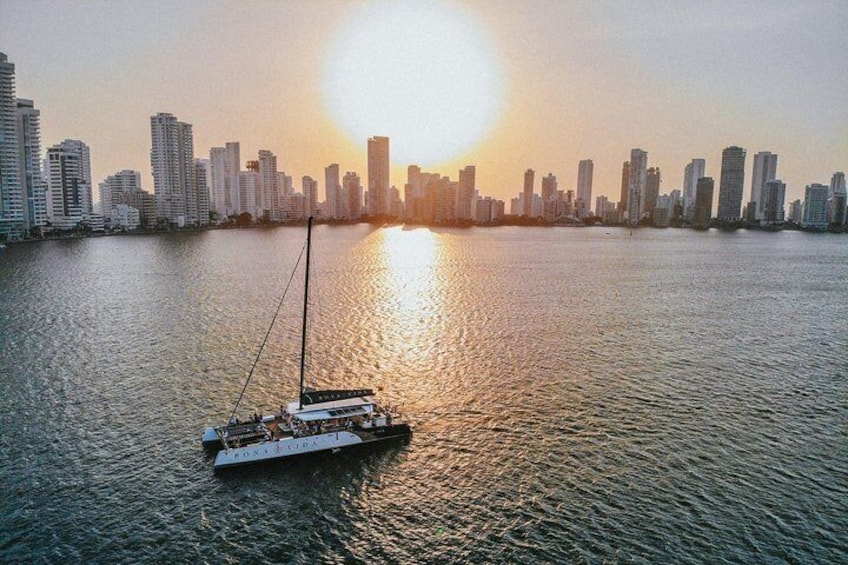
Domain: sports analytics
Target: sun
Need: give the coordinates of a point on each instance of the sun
(421, 73)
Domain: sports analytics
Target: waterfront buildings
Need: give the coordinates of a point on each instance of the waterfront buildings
(69, 184)
(224, 183)
(773, 195)
(625, 189)
(636, 186)
(838, 198)
(332, 191)
(353, 191)
(11, 198)
(652, 190)
(466, 193)
(33, 185)
(765, 169)
(731, 184)
(120, 189)
(691, 173)
(179, 198)
(549, 198)
(529, 179)
(585, 171)
(703, 203)
(378, 176)
(815, 206)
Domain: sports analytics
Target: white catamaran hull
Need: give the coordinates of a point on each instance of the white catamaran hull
(291, 447)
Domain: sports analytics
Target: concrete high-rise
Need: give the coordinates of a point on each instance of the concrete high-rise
(838, 198)
(773, 195)
(117, 188)
(815, 206)
(529, 178)
(585, 171)
(378, 175)
(69, 184)
(466, 192)
(332, 190)
(353, 189)
(703, 203)
(731, 184)
(652, 189)
(549, 198)
(691, 173)
(310, 194)
(765, 169)
(11, 196)
(33, 186)
(225, 166)
(172, 163)
(636, 186)
(625, 188)
(269, 185)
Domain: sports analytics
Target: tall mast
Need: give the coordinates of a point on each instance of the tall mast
(305, 304)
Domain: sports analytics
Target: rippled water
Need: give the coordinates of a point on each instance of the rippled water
(577, 395)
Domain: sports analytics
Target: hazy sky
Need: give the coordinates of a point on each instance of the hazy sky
(554, 82)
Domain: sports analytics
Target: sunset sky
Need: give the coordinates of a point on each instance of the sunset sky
(502, 85)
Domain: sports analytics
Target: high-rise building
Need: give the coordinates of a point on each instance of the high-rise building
(703, 203)
(69, 184)
(636, 186)
(652, 189)
(269, 186)
(332, 190)
(224, 169)
(815, 206)
(117, 189)
(731, 184)
(466, 192)
(549, 198)
(378, 175)
(796, 211)
(11, 197)
(353, 188)
(765, 169)
(838, 198)
(773, 195)
(529, 177)
(625, 189)
(172, 162)
(310, 193)
(693, 171)
(585, 170)
(33, 186)
(201, 188)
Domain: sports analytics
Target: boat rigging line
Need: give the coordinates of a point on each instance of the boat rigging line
(268, 333)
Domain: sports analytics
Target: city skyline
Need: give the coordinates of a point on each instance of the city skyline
(592, 84)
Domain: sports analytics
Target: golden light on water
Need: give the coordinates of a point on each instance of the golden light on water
(423, 74)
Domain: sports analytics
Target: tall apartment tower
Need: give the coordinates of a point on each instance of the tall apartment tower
(815, 206)
(332, 190)
(116, 189)
(636, 186)
(33, 186)
(773, 195)
(353, 188)
(466, 191)
(703, 203)
(201, 189)
(529, 178)
(838, 198)
(172, 163)
(691, 173)
(625, 188)
(765, 169)
(378, 175)
(269, 185)
(68, 183)
(585, 170)
(310, 193)
(549, 198)
(652, 189)
(731, 184)
(11, 196)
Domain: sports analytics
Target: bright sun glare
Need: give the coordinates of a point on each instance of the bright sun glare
(422, 74)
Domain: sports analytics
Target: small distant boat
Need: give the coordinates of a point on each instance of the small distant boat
(323, 420)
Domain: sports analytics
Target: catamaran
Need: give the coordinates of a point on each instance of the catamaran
(318, 420)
